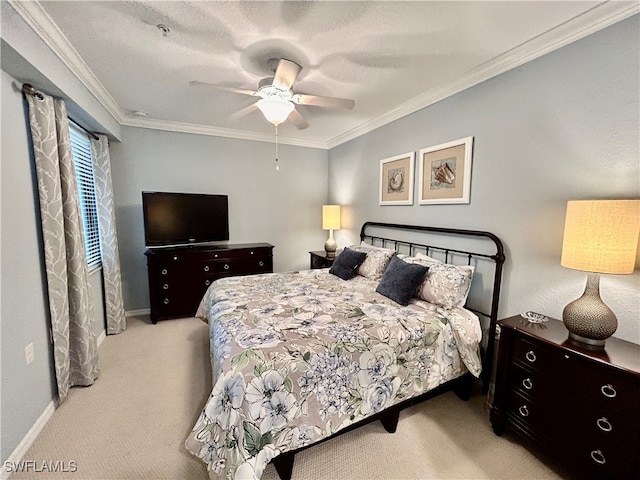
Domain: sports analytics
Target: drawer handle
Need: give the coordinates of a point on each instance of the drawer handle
(165, 286)
(531, 356)
(207, 282)
(604, 424)
(608, 391)
(524, 411)
(261, 263)
(598, 457)
(527, 383)
(206, 268)
(252, 252)
(226, 266)
(164, 271)
(166, 301)
(175, 258)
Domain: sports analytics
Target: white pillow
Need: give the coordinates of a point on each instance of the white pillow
(445, 285)
(377, 260)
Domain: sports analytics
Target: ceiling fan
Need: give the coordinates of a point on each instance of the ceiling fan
(277, 99)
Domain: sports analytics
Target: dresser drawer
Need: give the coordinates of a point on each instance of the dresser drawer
(238, 253)
(238, 266)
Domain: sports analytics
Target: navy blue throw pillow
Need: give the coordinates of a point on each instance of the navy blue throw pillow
(346, 264)
(400, 280)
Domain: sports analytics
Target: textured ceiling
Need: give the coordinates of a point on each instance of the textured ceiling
(390, 57)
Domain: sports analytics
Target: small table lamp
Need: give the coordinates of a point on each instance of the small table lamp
(331, 222)
(600, 236)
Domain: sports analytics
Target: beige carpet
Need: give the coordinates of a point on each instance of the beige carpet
(154, 380)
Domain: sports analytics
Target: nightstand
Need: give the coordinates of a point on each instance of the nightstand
(319, 259)
(579, 404)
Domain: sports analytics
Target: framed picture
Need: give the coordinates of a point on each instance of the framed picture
(396, 180)
(445, 172)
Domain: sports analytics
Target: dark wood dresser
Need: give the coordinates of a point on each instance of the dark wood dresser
(179, 276)
(579, 404)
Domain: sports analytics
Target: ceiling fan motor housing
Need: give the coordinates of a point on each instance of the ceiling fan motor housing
(266, 89)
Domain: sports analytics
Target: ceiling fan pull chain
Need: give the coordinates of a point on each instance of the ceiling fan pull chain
(277, 166)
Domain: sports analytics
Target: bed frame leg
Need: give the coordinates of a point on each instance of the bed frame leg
(284, 465)
(464, 387)
(390, 421)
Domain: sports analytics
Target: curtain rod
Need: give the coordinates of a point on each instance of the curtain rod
(30, 90)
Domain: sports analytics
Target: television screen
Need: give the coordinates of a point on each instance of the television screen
(184, 218)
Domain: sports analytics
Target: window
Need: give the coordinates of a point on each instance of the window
(83, 162)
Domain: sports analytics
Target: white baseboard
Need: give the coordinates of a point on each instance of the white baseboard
(27, 441)
(135, 313)
(34, 431)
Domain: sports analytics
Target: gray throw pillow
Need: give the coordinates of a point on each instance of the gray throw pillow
(400, 280)
(346, 264)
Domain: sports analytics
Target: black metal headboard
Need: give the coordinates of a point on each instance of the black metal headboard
(411, 247)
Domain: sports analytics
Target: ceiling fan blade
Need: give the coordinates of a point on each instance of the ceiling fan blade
(195, 83)
(286, 74)
(333, 102)
(298, 120)
(245, 111)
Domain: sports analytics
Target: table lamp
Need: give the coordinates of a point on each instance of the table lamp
(600, 236)
(331, 222)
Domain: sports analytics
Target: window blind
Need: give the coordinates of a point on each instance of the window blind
(83, 162)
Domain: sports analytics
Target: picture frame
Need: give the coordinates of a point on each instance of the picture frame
(397, 179)
(445, 172)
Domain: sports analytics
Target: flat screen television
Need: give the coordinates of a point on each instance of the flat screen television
(184, 218)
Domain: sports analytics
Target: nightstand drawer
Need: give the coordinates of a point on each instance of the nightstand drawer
(534, 417)
(611, 428)
(541, 388)
(536, 356)
(606, 389)
(603, 461)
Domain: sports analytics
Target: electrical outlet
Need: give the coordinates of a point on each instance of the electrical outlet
(28, 353)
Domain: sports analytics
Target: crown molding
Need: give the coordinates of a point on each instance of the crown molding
(591, 21)
(198, 129)
(601, 16)
(42, 24)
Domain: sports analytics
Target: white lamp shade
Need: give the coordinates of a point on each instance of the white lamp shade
(601, 235)
(275, 109)
(331, 217)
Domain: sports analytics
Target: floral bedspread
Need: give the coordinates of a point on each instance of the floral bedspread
(298, 356)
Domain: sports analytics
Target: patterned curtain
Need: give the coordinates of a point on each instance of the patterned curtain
(72, 319)
(116, 322)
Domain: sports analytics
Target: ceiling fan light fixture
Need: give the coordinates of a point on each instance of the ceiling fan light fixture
(275, 110)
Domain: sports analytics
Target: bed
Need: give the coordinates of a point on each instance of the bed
(299, 357)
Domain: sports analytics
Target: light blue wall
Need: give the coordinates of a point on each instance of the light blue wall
(279, 207)
(26, 389)
(562, 127)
